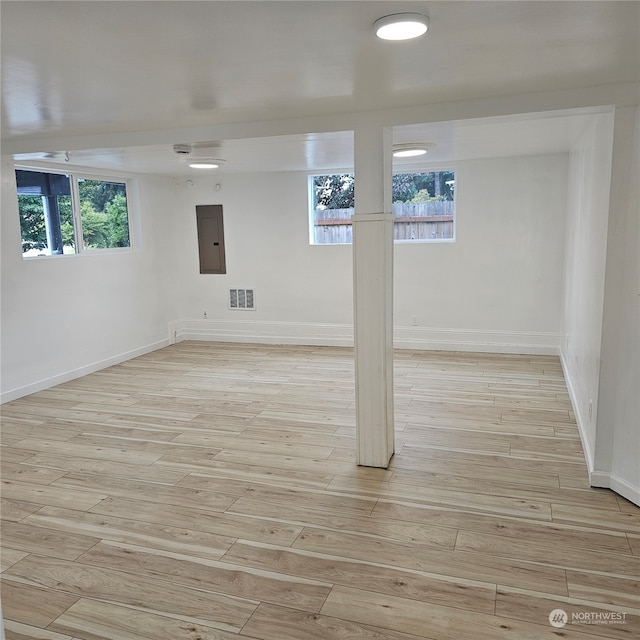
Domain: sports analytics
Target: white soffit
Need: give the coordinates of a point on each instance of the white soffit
(533, 134)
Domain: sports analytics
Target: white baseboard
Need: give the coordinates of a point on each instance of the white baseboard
(66, 376)
(521, 342)
(619, 485)
(580, 418)
(265, 332)
(625, 489)
(597, 478)
(342, 335)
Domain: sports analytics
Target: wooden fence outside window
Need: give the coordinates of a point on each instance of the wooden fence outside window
(414, 221)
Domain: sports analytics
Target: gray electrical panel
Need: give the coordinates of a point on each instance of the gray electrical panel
(211, 238)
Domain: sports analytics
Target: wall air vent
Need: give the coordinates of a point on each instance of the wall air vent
(241, 299)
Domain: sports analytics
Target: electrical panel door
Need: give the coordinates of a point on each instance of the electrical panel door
(211, 238)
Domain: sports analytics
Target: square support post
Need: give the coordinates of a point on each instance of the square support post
(373, 295)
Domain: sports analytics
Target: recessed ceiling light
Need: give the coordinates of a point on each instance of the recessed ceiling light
(411, 150)
(401, 26)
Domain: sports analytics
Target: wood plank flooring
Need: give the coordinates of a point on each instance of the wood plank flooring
(209, 492)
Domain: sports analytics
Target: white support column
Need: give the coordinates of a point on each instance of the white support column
(373, 295)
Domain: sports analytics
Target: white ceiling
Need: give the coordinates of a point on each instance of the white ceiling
(100, 71)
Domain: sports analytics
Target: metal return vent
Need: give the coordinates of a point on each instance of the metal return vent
(241, 299)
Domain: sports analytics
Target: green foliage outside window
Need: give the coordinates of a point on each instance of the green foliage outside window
(423, 206)
(103, 213)
(334, 191)
(32, 225)
(434, 186)
(337, 191)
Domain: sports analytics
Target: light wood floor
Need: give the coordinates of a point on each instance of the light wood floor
(209, 492)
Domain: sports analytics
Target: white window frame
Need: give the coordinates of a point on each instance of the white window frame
(311, 209)
(403, 170)
(434, 169)
(77, 174)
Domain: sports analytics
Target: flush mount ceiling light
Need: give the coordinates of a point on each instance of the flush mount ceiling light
(401, 26)
(205, 163)
(201, 154)
(411, 150)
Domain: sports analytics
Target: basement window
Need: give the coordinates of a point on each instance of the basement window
(423, 204)
(68, 213)
(331, 203)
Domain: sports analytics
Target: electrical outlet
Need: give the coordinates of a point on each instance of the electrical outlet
(414, 320)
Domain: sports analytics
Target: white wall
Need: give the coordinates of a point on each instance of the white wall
(585, 255)
(617, 452)
(65, 316)
(303, 293)
(498, 287)
(601, 319)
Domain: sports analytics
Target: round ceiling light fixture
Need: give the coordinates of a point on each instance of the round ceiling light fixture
(401, 26)
(412, 149)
